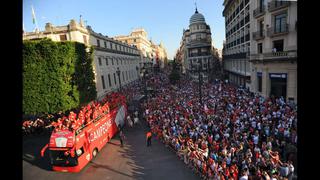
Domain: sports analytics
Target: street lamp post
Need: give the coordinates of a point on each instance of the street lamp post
(200, 79)
(137, 68)
(118, 72)
(143, 75)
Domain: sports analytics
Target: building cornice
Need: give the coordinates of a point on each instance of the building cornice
(207, 31)
(277, 60)
(242, 55)
(100, 36)
(237, 73)
(227, 6)
(114, 51)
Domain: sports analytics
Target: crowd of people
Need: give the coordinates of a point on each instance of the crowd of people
(233, 134)
(131, 90)
(76, 119)
(38, 125)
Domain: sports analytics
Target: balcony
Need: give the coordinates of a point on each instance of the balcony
(199, 54)
(276, 4)
(259, 11)
(278, 30)
(258, 35)
(198, 43)
(272, 56)
(194, 41)
(241, 55)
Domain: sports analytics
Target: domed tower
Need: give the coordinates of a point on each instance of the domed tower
(198, 48)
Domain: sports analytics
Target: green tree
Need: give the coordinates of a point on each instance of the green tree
(57, 76)
(174, 75)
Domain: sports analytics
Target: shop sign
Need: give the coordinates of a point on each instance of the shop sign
(278, 75)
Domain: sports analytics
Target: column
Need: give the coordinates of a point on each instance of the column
(292, 84)
(265, 82)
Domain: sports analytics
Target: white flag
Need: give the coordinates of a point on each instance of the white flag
(33, 15)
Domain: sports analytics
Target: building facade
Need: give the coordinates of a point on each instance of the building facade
(110, 55)
(274, 48)
(195, 50)
(151, 53)
(236, 65)
(72, 32)
(161, 58)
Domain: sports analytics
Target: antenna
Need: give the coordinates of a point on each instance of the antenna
(195, 3)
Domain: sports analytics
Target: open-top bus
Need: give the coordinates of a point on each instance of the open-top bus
(70, 151)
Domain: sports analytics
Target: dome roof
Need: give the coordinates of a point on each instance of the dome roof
(197, 18)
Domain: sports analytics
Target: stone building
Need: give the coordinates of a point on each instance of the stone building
(195, 52)
(236, 65)
(151, 52)
(274, 48)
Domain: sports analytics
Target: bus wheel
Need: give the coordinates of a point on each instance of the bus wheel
(94, 153)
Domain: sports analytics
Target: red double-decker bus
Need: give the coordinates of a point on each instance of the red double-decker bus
(70, 151)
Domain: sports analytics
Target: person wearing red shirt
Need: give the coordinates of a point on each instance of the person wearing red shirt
(226, 171)
(210, 173)
(149, 135)
(275, 157)
(71, 116)
(25, 123)
(74, 126)
(88, 107)
(234, 171)
(87, 120)
(204, 169)
(82, 120)
(95, 114)
(216, 147)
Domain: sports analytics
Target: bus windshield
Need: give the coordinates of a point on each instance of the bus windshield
(59, 158)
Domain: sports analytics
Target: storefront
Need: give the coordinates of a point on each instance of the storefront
(259, 81)
(237, 79)
(278, 84)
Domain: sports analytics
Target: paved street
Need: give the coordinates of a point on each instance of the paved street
(133, 161)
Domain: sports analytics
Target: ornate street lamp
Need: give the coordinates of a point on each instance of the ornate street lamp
(118, 72)
(137, 68)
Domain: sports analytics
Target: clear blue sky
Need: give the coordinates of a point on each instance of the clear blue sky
(164, 20)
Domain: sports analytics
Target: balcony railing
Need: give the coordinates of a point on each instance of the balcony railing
(278, 30)
(274, 55)
(199, 54)
(199, 41)
(258, 35)
(276, 4)
(259, 11)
